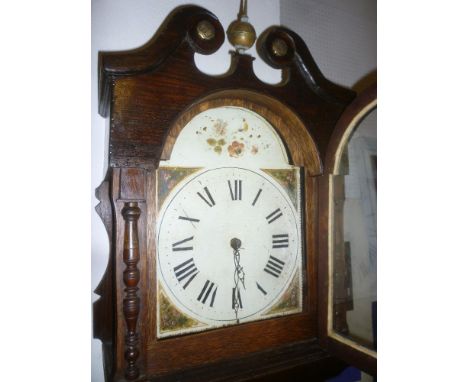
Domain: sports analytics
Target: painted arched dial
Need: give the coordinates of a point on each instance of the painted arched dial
(231, 136)
(199, 224)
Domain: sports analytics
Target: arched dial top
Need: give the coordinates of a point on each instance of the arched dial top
(229, 135)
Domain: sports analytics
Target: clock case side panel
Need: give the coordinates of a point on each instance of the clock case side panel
(351, 354)
(145, 90)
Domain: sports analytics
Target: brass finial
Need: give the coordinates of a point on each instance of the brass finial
(279, 47)
(241, 34)
(205, 30)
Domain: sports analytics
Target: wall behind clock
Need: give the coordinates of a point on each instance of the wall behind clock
(341, 35)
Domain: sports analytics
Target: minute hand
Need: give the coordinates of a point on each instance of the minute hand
(239, 275)
(238, 270)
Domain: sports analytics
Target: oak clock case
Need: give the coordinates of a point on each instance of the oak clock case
(208, 278)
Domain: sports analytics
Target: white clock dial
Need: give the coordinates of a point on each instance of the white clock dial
(229, 243)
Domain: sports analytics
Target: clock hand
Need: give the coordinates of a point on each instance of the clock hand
(239, 275)
(236, 244)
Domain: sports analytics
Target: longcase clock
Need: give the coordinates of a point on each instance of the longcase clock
(213, 203)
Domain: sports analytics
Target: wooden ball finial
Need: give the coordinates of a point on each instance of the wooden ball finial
(241, 34)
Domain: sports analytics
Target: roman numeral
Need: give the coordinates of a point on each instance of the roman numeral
(274, 266)
(261, 289)
(209, 199)
(206, 291)
(189, 219)
(176, 246)
(256, 197)
(281, 241)
(186, 270)
(234, 298)
(236, 192)
(274, 215)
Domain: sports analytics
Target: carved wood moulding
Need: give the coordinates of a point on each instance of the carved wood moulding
(147, 88)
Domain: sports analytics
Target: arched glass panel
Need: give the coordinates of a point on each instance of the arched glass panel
(354, 235)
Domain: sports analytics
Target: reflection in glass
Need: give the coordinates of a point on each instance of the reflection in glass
(355, 236)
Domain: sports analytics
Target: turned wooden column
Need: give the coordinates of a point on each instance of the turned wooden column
(131, 277)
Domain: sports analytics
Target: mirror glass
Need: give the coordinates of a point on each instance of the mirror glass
(354, 246)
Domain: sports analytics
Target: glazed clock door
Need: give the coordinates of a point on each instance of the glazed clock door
(229, 234)
(349, 250)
